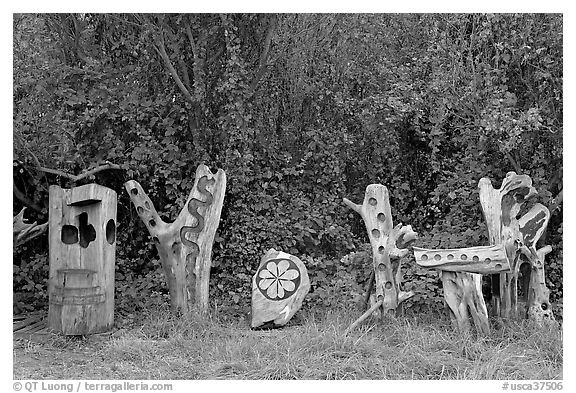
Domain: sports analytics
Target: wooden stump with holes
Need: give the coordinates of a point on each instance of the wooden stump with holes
(82, 242)
(388, 246)
(185, 245)
(461, 270)
(517, 224)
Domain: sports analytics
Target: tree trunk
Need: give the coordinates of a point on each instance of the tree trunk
(185, 246)
(519, 233)
(385, 240)
(463, 293)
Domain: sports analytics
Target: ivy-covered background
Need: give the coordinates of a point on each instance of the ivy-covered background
(300, 110)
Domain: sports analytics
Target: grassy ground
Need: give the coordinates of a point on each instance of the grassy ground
(166, 347)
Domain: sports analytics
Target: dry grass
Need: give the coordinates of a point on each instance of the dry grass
(166, 347)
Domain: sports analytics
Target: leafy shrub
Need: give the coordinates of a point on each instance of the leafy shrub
(424, 104)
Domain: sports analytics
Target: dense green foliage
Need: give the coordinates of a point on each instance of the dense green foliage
(300, 111)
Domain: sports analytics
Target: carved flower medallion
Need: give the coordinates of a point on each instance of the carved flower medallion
(278, 279)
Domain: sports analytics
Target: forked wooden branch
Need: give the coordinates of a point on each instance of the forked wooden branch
(23, 232)
(185, 246)
(389, 245)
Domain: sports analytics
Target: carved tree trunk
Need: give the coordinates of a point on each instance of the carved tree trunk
(463, 292)
(518, 234)
(388, 244)
(23, 232)
(531, 227)
(185, 246)
(538, 305)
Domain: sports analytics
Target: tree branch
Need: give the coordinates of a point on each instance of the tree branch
(161, 49)
(353, 206)
(514, 164)
(24, 199)
(197, 67)
(263, 64)
(23, 232)
(75, 178)
(556, 202)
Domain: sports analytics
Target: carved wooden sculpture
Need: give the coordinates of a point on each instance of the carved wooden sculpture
(23, 231)
(388, 246)
(462, 288)
(185, 246)
(82, 240)
(278, 288)
(519, 231)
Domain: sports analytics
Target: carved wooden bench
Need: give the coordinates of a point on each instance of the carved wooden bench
(513, 231)
(461, 272)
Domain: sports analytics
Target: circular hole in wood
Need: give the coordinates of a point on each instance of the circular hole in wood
(487, 260)
(134, 191)
(380, 297)
(475, 258)
(437, 257)
(110, 231)
(544, 306)
(498, 266)
(381, 217)
(463, 257)
(372, 201)
(376, 233)
(381, 267)
(147, 205)
(175, 247)
(450, 257)
(152, 223)
(140, 210)
(388, 285)
(424, 257)
(381, 249)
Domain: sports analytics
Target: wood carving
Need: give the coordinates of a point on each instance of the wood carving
(278, 289)
(82, 241)
(185, 246)
(481, 259)
(462, 289)
(531, 226)
(388, 245)
(463, 292)
(23, 232)
(518, 230)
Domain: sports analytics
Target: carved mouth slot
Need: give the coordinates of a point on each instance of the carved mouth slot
(87, 231)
